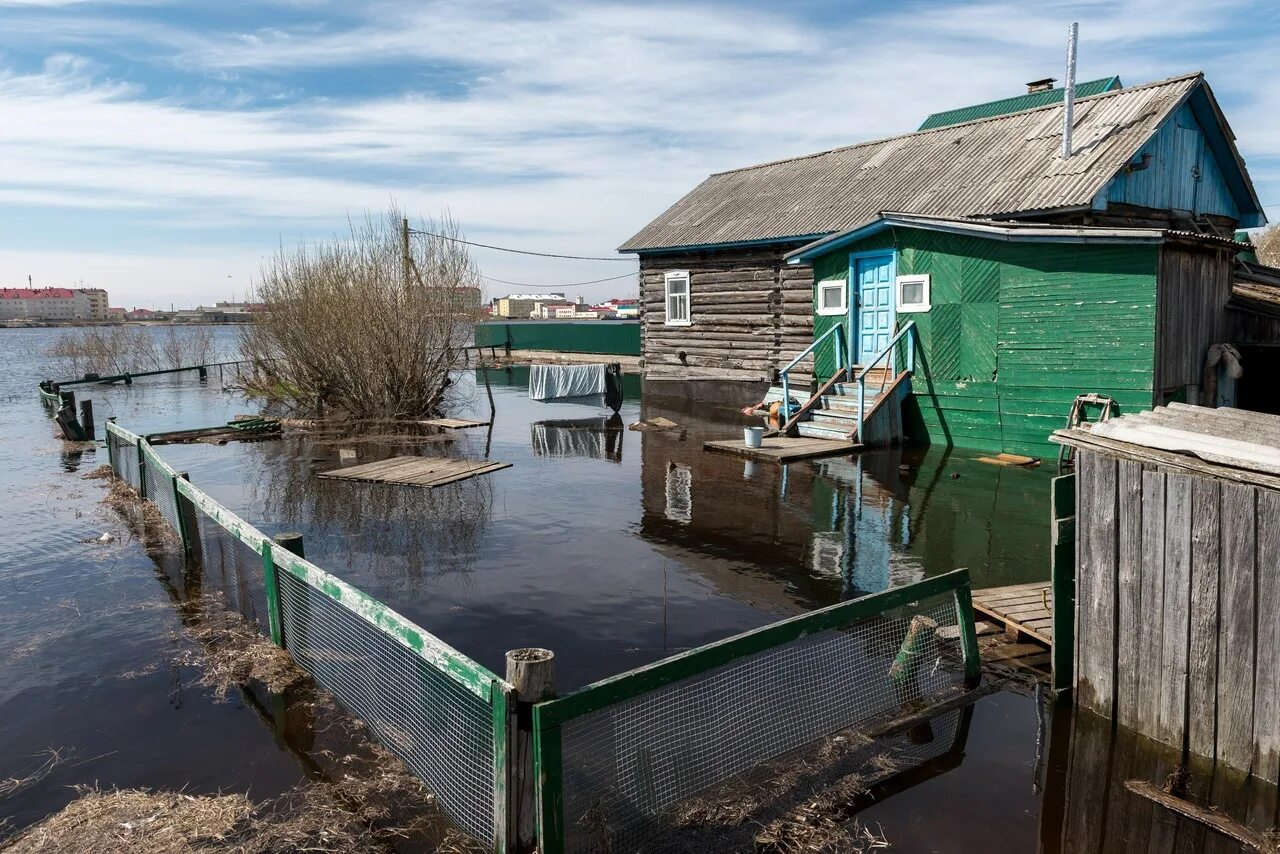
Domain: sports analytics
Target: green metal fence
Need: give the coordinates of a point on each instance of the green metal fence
(608, 337)
(616, 757)
(614, 760)
(443, 714)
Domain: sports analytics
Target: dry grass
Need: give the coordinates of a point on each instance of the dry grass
(231, 651)
(49, 759)
(99, 473)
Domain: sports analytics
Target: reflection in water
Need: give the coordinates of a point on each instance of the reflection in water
(1086, 806)
(592, 438)
(403, 535)
(812, 532)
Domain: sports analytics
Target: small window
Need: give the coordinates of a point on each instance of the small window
(913, 293)
(677, 291)
(832, 297)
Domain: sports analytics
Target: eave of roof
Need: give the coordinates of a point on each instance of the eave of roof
(1014, 232)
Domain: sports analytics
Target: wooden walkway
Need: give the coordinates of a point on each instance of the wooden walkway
(417, 471)
(784, 449)
(453, 423)
(1023, 609)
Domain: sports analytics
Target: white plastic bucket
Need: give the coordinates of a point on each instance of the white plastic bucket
(753, 436)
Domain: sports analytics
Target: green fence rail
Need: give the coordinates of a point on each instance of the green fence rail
(607, 337)
(444, 715)
(615, 757)
(612, 761)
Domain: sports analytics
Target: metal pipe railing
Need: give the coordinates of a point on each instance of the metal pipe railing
(841, 361)
(909, 332)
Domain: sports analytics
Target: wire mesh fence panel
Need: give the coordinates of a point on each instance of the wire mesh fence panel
(124, 459)
(627, 765)
(438, 727)
(159, 479)
(231, 566)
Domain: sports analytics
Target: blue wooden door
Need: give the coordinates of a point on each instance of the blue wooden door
(872, 311)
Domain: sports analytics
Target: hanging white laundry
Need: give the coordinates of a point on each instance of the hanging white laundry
(551, 381)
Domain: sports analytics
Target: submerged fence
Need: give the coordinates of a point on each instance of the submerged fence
(443, 714)
(610, 762)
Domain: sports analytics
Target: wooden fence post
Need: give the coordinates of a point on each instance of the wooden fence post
(142, 468)
(271, 581)
(86, 418)
(532, 673)
(182, 522)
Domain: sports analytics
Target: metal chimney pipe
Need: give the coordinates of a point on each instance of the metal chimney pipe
(1069, 96)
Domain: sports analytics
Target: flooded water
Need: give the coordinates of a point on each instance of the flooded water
(610, 546)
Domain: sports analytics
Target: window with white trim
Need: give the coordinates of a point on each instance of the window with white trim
(913, 293)
(833, 297)
(676, 285)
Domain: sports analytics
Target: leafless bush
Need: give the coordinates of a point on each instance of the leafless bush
(358, 327)
(1267, 246)
(130, 350)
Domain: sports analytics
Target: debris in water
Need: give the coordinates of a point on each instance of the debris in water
(658, 423)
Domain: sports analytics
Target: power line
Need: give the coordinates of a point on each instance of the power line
(521, 251)
(563, 285)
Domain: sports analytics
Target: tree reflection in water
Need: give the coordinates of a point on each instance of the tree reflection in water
(402, 536)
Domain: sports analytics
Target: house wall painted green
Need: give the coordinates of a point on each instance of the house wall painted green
(1015, 331)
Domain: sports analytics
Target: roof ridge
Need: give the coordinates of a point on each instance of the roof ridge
(1113, 93)
(1019, 97)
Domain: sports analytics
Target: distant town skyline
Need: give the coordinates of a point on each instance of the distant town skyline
(164, 151)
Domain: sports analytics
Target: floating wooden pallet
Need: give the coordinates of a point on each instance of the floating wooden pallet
(1021, 608)
(417, 471)
(784, 449)
(452, 423)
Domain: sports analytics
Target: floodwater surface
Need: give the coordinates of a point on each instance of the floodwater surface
(612, 547)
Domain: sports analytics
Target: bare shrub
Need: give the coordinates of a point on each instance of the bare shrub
(130, 350)
(1267, 246)
(359, 328)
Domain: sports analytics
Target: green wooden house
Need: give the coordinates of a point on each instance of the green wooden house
(1011, 321)
(964, 283)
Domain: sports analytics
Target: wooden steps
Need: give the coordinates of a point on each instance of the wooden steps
(785, 449)
(1023, 609)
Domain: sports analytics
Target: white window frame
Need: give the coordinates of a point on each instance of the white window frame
(922, 279)
(843, 308)
(676, 275)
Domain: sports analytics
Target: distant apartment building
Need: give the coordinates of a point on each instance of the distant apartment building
(97, 302)
(53, 305)
(522, 306)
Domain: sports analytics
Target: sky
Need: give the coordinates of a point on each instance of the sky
(164, 151)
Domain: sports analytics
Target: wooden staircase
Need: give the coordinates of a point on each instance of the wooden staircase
(833, 412)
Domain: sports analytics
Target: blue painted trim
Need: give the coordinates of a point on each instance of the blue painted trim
(737, 244)
(851, 301)
(834, 242)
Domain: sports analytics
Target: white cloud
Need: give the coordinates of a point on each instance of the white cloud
(578, 123)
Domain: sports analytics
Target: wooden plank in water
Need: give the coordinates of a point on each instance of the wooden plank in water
(1020, 607)
(452, 423)
(417, 471)
(784, 449)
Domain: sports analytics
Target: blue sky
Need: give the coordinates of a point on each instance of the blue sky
(163, 150)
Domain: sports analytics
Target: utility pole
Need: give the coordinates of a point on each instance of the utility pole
(404, 248)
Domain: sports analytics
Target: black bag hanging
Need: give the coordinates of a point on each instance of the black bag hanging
(613, 386)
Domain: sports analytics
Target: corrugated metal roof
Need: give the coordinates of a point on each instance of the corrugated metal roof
(1235, 439)
(1016, 104)
(998, 166)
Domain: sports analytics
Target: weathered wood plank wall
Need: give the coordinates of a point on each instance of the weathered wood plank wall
(1191, 300)
(1178, 608)
(750, 313)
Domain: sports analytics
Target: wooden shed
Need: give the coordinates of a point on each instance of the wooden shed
(1178, 580)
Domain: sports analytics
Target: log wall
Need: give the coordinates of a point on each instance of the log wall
(1177, 597)
(750, 314)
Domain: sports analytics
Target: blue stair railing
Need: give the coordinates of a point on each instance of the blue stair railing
(841, 364)
(909, 333)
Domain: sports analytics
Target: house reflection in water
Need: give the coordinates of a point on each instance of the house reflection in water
(812, 533)
(597, 438)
